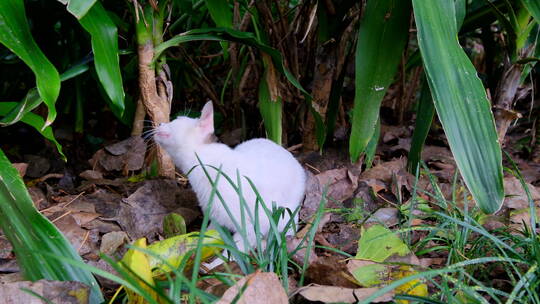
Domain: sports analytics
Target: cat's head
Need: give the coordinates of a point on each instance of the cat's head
(185, 133)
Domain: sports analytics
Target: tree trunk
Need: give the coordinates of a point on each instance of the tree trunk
(157, 107)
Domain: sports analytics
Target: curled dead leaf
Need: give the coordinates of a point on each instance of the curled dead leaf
(258, 288)
(333, 294)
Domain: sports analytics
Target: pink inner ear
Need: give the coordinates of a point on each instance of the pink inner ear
(206, 121)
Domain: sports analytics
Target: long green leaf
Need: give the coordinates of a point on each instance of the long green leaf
(78, 8)
(270, 112)
(105, 46)
(226, 34)
(534, 8)
(424, 118)
(35, 121)
(32, 99)
(461, 103)
(15, 34)
(382, 37)
(221, 12)
(31, 233)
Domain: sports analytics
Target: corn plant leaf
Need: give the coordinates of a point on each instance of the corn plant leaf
(15, 35)
(424, 118)
(221, 12)
(31, 235)
(533, 6)
(105, 47)
(78, 8)
(461, 11)
(372, 145)
(382, 36)
(35, 121)
(32, 99)
(461, 103)
(271, 112)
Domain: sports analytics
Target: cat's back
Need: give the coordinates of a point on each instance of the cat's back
(264, 158)
(263, 150)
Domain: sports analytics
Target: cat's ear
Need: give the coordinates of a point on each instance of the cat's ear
(206, 121)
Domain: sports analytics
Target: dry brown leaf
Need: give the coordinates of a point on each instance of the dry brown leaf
(329, 270)
(340, 184)
(91, 175)
(21, 167)
(427, 262)
(55, 291)
(142, 214)
(516, 198)
(111, 241)
(260, 288)
(384, 171)
(83, 218)
(333, 294)
(126, 155)
(78, 237)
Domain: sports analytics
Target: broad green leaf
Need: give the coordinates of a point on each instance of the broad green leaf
(173, 225)
(381, 39)
(373, 264)
(534, 8)
(221, 12)
(105, 46)
(32, 98)
(372, 145)
(461, 11)
(378, 243)
(78, 8)
(461, 103)
(35, 121)
(30, 234)
(15, 35)
(270, 111)
(424, 118)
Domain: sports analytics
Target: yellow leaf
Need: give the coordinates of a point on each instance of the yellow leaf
(138, 263)
(173, 250)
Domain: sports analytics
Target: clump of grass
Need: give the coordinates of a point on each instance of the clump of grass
(474, 254)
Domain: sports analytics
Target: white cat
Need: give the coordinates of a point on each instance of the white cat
(276, 174)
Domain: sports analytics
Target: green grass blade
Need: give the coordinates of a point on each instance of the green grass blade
(424, 118)
(105, 47)
(461, 103)
(382, 36)
(31, 233)
(78, 8)
(35, 121)
(15, 35)
(32, 98)
(533, 6)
